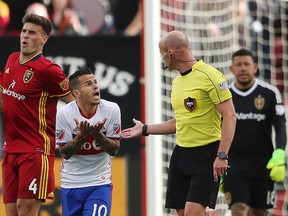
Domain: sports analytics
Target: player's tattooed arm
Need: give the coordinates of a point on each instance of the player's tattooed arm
(110, 146)
(71, 147)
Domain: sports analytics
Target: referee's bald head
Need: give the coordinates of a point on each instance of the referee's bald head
(175, 40)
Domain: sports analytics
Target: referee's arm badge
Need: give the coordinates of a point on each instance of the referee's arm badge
(223, 86)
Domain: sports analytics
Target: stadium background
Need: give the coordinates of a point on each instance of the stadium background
(129, 72)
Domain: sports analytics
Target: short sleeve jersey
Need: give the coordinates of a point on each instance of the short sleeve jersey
(257, 110)
(30, 93)
(90, 166)
(194, 98)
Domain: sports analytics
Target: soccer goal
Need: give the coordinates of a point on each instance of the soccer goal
(216, 28)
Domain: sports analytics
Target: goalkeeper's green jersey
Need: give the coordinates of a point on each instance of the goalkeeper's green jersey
(194, 97)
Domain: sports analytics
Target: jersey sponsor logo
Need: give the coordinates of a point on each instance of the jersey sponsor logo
(223, 86)
(116, 129)
(12, 93)
(190, 104)
(250, 116)
(89, 147)
(259, 102)
(28, 76)
(64, 84)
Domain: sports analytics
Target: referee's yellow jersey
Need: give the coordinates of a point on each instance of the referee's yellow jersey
(194, 97)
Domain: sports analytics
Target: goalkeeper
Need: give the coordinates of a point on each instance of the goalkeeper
(256, 164)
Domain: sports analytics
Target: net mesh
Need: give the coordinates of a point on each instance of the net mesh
(217, 28)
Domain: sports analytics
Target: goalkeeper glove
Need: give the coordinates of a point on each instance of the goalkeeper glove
(221, 185)
(277, 164)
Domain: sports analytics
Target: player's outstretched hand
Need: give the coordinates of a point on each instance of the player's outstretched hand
(133, 131)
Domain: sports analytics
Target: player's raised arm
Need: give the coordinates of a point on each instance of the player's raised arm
(111, 146)
(71, 147)
(167, 127)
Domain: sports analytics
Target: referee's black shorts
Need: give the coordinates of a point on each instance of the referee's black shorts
(191, 178)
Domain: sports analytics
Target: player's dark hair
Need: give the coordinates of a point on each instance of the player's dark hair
(45, 23)
(73, 78)
(243, 52)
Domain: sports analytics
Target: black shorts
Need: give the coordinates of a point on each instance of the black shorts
(190, 177)
(255, 192)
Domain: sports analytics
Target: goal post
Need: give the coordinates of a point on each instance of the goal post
(152, 83)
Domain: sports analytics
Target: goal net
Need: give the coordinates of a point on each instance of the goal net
(217, 28)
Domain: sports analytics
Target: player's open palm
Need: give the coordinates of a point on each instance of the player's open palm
(97, 128)
(133, 131)
(83, 128)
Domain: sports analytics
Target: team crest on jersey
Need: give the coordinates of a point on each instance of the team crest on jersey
(116, 129)
(64, 84)
(60, 134)
(190, 104)
(259, 102)
(28, 76)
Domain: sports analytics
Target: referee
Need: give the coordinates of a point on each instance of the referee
(204, 124)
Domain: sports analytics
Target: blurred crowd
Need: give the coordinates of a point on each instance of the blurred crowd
(74, 17)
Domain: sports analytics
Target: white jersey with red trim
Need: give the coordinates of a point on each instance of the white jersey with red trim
(90, 166)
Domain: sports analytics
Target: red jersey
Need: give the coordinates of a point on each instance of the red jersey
(30, 95)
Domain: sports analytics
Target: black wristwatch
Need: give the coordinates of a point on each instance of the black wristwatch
(222, 155)
(144, 130)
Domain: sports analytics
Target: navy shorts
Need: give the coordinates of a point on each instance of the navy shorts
(94, 200)
(191, 178)
(255, 192)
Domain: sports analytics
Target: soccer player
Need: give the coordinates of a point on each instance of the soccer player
(88, 132)
(204, 124)
(255, 163)
(30, 87)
